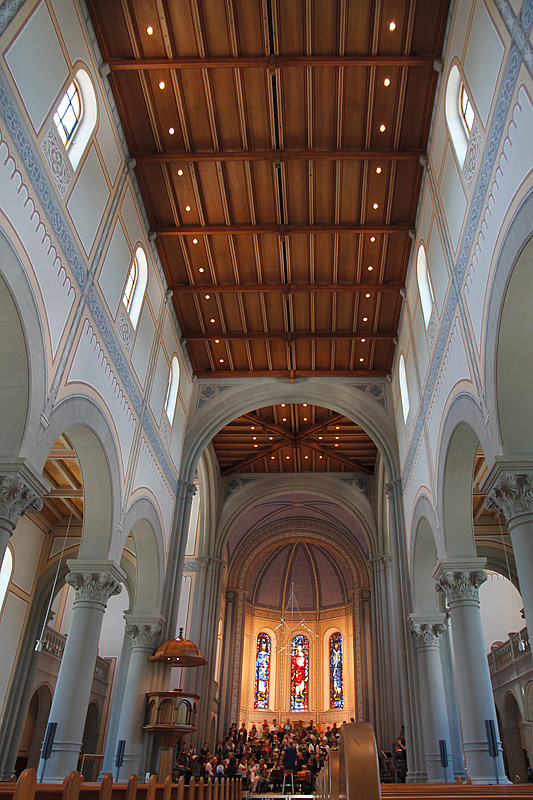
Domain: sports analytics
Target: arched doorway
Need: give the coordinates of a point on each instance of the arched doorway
(513, 741)
(34, 728)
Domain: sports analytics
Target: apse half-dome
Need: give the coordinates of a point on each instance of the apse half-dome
(320, 579)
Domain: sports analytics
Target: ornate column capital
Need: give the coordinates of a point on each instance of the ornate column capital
(17, 497)
(209, 564)
(94, 583)
(427, 629)
(460, 580)
(382, 563)
(512, 494)
(144, 635)
(393, 489)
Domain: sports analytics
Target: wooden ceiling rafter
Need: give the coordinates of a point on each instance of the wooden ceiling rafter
(282, 229)
(276, 156)
(283, 288)
(268, 63)
(287, 336)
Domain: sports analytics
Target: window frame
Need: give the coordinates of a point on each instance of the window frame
(67, 136)
(425, 287)
(171, 394)
(404, 387)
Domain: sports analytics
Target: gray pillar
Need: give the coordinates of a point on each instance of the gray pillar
(460, 582)
(232, 658)
(176, 556)
(144, 636)
(389, 721)
(512, 496)
(432, 694)
(94, 585)
(203, 630)
(17, 497)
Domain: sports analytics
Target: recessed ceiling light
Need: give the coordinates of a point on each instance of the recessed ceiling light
(386, 82)
(378, 170)
(372, 239)
(287, 457)
(361, 359)
(161, 84)
(284, 419)
(383, 128)
(337, 427)
(305, 405)
(208, 297)
(365, 319)
(320, 456)
(320, 437)
(212, 319)
(363, 340)
(149, 30)
(367, 294)
(283, 405)
(255, 445)
(201, 269)
(392, 26)
(171, 131)
(336, 437)
(187, 208)
(306, 456)
(217, 341)
(370, 267)
(180, 172)
(270, 438)
(254, 437)
(195, 241)
(375, 206)
(336, 445)
(305, 419)
(220, 360)
(272, 458)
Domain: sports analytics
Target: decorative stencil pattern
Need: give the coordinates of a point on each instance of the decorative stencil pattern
(125, 329)
(54, 154)
(376, 391)
(475, 144)
(209, 392)
(262, 671)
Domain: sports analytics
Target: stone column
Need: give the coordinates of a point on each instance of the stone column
(94, 585)
(512, 496)
(232, 658)
(432, 694)
(203, 630)
(460, 582)
(17, 497)
(176, 557)
(389, 721)
(144, 635)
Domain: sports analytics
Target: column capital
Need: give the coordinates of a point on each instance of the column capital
(511, 494)
(94, 582)
(460, 580)
(144, 634)
(383, 562)
(394, 489)
(210, 563)
(427, 629)
(17, 497)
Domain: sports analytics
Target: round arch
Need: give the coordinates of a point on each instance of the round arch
(23, 375)
(143, 522)
(216, 406)
(424, 559)
(508, 355)
(348, 497)
(91, 436)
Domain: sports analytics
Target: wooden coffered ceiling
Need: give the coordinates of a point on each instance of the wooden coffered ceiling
(282, 210)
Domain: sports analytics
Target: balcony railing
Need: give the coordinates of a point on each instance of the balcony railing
(504, 654)
(53, 643)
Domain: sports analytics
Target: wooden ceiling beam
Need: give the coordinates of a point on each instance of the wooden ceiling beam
(356, 466)
(270, 426)
(292, 374)
(303, 336)
(279, 156)
(65, 492)
(281, 230)
(284, 288)
(270, 62)
(255, 457)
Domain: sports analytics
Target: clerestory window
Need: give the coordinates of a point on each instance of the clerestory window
(135, 286)
(467, 112)
(404, 390)
(172, 389)
(68, 114)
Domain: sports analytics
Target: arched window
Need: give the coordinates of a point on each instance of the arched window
(5, 575)
(262, 671)
(172, 389)
(458, 110)
(68, 113)
(404, 391)
(136, 286)
(76, 115)
(427, 298)
(336, 682)
(300, 673)
(467, 112)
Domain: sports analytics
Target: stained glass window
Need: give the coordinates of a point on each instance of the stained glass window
(300, 673)
(262, 671)
(336, 688)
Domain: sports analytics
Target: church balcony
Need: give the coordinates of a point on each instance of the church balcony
(53, 643)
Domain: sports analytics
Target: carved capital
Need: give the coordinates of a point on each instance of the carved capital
(17, 498)
(460, 584)
(209, 564)
(427, 633)
(144, 634)
(95, 587)
(393, 489)
(512, 494)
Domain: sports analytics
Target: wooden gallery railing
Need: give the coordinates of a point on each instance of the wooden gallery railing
(74, 788)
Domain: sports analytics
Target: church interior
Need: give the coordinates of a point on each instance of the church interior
(266, 378)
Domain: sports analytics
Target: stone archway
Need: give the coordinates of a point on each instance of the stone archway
(513, 740)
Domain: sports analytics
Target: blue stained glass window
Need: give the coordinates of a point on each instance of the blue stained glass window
(262, 671)
(300, 673)
(336, 686)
